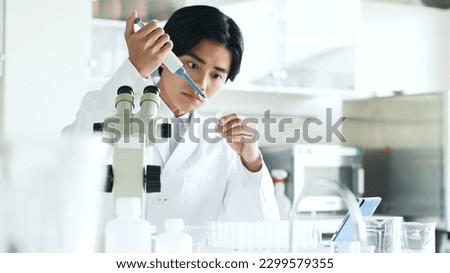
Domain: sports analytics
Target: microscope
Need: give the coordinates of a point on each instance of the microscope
(133, 137)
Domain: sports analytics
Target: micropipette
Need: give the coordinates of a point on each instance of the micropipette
(175, 65)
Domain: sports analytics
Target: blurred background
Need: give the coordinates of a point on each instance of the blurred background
(384, 64)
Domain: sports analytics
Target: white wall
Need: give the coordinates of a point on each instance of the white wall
(45, 77)
(404, 47)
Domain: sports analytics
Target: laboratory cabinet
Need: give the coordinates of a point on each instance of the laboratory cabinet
(108, 50)
(108, 47)
(404, 143)
(308, 47)
(299, 46)
(403, 48)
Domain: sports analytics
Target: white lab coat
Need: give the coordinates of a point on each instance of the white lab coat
(200, 182)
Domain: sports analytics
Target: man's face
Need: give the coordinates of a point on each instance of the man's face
(208, 64)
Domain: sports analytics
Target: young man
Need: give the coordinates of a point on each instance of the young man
(201, 181)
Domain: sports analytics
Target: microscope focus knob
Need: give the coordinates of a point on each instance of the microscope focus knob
(166, 130)
(152, 179)
(109, 183)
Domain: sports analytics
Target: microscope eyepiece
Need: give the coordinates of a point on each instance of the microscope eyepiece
(125, 89)
(151, 89)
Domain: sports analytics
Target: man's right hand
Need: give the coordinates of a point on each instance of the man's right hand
(147, 47)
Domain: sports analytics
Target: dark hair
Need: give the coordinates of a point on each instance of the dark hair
(190, 25)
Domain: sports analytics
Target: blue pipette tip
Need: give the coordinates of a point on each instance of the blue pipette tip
(192, 83)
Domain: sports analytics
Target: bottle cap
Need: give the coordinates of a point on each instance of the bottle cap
(130, 206)
(279, 175)
(174, 224)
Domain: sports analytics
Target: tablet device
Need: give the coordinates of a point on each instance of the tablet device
(345, 231)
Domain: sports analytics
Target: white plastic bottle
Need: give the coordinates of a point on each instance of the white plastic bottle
(173, 239)
(284, 203)
(128, 232)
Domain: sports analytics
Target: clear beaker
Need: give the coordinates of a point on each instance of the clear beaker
(384, 233)
(306, 236)
(199, 235)
(418, 237)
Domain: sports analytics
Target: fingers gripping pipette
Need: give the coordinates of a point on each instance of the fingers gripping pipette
(175, 65)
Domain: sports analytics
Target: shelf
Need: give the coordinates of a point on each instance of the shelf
(306, 92)
(305, 56)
